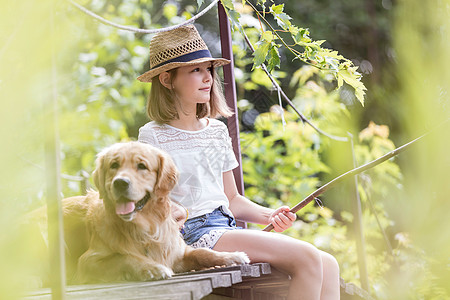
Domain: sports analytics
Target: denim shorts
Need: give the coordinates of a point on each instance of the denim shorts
(204, 231)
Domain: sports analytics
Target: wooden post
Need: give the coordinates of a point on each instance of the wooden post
(52, 166)
(230, 93)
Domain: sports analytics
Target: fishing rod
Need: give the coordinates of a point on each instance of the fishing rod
(354, 172)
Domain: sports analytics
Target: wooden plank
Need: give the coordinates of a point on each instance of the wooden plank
(276, 278)
(187, 289)
(252, 292)
(255, 281)
(264, 268)
(222, 279)
(268, 284)
(216, 297)
(252, 270)
(234, 275)
(174, 296)
(189, 286)
(193, 290)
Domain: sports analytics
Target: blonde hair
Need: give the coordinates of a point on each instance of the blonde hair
(161, 106)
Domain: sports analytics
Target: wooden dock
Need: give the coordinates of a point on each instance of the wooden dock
(250, 282)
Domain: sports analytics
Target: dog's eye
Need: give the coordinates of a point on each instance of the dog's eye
(114, 165)
(141, 166)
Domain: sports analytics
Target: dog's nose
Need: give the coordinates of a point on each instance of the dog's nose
(121, 184)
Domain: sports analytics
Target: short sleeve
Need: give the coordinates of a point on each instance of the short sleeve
(230, 161)
(147, 135)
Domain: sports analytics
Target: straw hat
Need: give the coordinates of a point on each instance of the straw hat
(179, 47)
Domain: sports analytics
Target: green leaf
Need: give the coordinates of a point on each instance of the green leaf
(277, 9)
(232, 14)
(259, 77)
(332, 62)
(234, 17)
(199, 4)
(283, 20)
(301, 36)
(273, 59)
(267, 36)
(281, 17)
(261, 53)
(227, 4)
(293, 30)
(261, 2)
(352, 78)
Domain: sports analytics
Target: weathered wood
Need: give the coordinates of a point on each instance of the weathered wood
(255, 281)
(193, 285)
(264, 268)
(251, 270)
(263, 282)
(188, 287)
(350, 289)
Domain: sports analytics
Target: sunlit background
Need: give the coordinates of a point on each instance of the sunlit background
(100, 103)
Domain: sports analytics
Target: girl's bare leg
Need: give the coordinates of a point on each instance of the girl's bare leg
(314, 274)
(330, 282)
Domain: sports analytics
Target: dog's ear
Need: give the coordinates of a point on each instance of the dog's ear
(99, 174)
(167, 176)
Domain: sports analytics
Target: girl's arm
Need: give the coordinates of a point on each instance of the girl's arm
(248, 211)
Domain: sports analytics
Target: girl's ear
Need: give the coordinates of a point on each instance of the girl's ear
(165, 80)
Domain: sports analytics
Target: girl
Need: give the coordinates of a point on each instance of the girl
(184, 101)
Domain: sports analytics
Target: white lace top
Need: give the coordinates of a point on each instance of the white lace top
(201, 158)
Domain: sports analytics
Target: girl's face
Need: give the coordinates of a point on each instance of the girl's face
(192, 84)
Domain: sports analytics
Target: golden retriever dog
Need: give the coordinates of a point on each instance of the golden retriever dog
(125, 231)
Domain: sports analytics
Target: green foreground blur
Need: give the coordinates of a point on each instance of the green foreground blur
(422, 45)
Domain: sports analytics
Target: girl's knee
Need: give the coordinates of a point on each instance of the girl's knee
(313, 253)
(307, 259)
(329, 261)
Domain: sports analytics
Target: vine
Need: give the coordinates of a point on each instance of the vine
(311, 52)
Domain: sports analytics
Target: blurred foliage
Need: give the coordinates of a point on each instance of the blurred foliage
(362, 32)
(422, 39)
(27, 41)
(298, 43)
(290, 161)
(100, 103)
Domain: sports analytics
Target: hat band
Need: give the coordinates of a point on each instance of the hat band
(186, 57)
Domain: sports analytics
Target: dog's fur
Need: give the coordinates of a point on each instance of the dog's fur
(109, 237)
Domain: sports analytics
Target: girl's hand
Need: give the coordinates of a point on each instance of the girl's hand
(282, 218)
(179, 213)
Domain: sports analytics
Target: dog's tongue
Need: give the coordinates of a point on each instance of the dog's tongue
(124, 208)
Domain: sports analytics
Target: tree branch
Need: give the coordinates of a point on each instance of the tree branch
(289, 102)
(282, 40)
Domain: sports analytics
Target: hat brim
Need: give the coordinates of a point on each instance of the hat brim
(147, 76)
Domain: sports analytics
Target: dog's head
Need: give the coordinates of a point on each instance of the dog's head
(128, 175)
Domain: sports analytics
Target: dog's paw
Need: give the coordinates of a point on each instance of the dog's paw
(156, 272)
(236, 258)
